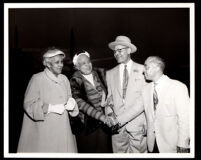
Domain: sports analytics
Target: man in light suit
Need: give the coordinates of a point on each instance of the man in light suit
(125, 83)
(166, 103)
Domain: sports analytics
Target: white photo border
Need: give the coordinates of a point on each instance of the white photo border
(191, 7)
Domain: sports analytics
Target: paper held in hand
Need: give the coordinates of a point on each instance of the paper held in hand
(70, 104)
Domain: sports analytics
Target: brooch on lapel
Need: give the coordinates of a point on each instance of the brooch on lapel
(137, 74)
(136, 70)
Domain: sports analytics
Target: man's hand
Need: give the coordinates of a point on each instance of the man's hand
(183, 150)
(110, 121)
(115, 128)
(113, 123)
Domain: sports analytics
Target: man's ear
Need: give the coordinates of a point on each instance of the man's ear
(129, 50)
(157, 67)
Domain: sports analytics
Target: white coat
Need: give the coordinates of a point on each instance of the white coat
(51, 132)
(169, 124)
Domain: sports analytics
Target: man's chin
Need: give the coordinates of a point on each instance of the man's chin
(147, 78)
(119, 61)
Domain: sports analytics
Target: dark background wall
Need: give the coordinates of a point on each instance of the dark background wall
(163, 32)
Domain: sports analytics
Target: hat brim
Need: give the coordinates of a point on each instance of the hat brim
(53, 54)
(130, 45)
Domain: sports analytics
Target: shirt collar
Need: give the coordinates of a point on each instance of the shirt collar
(129, 65)
(52, 76)
(88, 76)
(160, 80)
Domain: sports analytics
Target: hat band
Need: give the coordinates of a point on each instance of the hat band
(122, 41)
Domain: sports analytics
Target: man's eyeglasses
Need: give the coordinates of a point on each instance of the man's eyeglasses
(119, 50)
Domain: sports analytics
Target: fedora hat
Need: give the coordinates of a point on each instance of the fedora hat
(123, 40)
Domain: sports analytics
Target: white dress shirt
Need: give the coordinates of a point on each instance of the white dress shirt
(90, 78)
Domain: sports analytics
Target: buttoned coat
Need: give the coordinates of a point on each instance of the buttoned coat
(170, 121)
(129, 112)
(46, 132)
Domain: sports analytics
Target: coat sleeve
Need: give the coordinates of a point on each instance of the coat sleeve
(182, 103)
(32, 101)
(132, 111)
(76, 86)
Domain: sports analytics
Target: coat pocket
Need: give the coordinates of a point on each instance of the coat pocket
(138, 133)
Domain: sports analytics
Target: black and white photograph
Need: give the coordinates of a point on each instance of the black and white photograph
(94, 80)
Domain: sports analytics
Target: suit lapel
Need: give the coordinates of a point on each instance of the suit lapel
(116, 80)
(151, 100)
(163, 93)
(148, 100)
(133, 77)
(130, 80)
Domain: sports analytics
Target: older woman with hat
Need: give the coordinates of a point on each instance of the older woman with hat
(125, 83)
(89, 90)
(48, 104)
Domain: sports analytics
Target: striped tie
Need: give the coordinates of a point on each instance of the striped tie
(155, 97)
(125, 81)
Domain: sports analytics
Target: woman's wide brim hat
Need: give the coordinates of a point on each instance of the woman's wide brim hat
(123, 40)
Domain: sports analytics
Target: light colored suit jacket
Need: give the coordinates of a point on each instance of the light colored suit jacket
(129, 113)
(170, 121)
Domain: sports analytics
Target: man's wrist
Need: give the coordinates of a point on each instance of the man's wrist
(118, 121)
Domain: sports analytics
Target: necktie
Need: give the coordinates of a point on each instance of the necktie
(155, 97)
(125, 81)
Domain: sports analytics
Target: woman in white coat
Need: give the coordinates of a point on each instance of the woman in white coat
(48, 103)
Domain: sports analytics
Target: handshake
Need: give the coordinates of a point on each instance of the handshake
(60, 108)
(112, 122)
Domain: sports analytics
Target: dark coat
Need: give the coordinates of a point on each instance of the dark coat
(94, 137)
(89, 98)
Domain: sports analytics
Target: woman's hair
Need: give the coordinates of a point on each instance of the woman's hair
(77, 54)
(46, 61)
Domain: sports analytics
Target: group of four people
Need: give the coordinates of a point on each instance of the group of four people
(121, 108)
